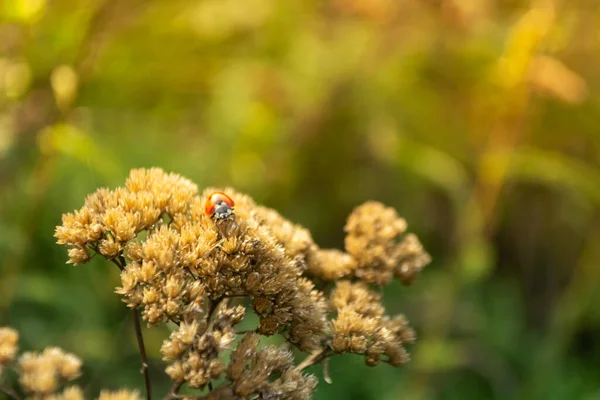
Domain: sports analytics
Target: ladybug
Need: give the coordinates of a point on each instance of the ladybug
(219, 206)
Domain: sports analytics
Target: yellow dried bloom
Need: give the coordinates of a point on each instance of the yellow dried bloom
(179, 264)
(109, 247)
(176, 371)
(38, 373)
(361, 326)
(331, 265)
(119, 215)
(133, 251)
(68, 366)
(78, 255)
(412, 258)
(69, 393)
(374, 239)
(121, 224)
(250, 371)
(295, 239)
(8, 345)
(41, 373)
(195, 347)
(122, 394)
(358, 296)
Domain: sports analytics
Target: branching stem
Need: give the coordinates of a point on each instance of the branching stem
(315, 358)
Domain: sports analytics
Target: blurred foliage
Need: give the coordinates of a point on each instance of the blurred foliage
(476, 119)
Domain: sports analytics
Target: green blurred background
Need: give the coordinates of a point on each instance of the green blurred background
(478, 120)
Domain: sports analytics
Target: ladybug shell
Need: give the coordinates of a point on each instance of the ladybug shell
(215, 200)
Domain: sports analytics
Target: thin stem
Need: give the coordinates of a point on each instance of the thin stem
(140, 340)
(234, 296)
(326, 375)
(173, 394)
(245, 331)
(10, 393)
(213, 305)
(120, 262)
(189, 396)
(314, 358)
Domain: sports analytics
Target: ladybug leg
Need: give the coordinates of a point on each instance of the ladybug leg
(218, 224)
(232, 225)
(226, 226)
(223, 227)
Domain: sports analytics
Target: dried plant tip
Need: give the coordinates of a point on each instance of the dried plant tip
(69, 367)
(8, 345)
(362, 328)
(122, 394)
(375, 240)
(40, 373)
(109, 247)
(251, 372)
(331, 265)
(78, 255)
(412, 259)
(69, 393)
(195, 347)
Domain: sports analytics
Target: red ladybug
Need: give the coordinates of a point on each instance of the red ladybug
(219, 206)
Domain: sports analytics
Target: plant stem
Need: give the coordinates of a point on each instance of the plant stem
(189, 396)
(140, 340)
(314, 358)
(245, 331)
(212, 306)
(10, 393)
(120, 262)
(174, 393)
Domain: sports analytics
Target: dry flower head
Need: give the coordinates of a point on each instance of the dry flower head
(122, 394)
(42, 373)
(178, 265)
(46, 375)
(8, 345)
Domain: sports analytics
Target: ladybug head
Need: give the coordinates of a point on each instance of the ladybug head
(219, 206)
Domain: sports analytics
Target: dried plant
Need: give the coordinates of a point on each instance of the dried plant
(181, 265)
(45, 375)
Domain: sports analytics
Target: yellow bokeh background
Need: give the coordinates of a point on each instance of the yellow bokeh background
(476, 119)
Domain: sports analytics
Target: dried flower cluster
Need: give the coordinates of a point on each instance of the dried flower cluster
(45, 375)
(180, 265)
(122, 394)
(361, 326)
(8, 347)
(42, 373)
(251, 368)
(195, 347)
